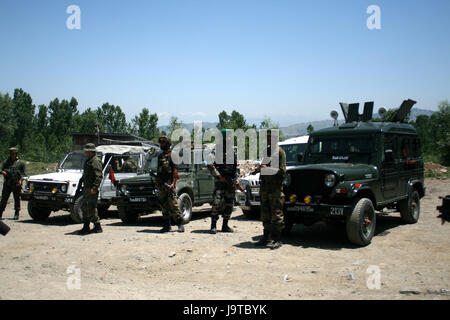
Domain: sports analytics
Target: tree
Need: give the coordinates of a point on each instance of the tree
(111, 119)
(7, 123)
(147, 125)
(233, 121)
(23, 113)
(310, 129)
(267, 123)
(174, 124)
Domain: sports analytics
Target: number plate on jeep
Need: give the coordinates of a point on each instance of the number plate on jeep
(301, 209)
(138, 199)
(337, 211)
(41, 197)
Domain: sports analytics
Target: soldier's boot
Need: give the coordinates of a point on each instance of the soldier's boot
(16, 215)
(166, 227)
(180, 227)
(225, 227)
(276, 236)
(85, 229)
(264, 240)
(97, 228)
(213, 226)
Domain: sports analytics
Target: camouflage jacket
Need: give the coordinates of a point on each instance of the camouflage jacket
(92, 173)
(166, 168)
(226, 170)
(15, 170)
(270, 182)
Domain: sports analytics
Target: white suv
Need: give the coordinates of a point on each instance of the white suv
(56, 191)
(249, 201)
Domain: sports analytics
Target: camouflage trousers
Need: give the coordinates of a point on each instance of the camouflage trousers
(89, 207)
(223, 201)
(6, 192)
(272, 211)
(169, 204)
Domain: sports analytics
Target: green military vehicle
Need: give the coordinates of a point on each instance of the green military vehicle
(138, 196)
(349, 172)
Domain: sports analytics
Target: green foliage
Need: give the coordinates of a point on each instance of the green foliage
(111, 119)
(146, 125)
(233, 121)
(174, 124)
(435, 135)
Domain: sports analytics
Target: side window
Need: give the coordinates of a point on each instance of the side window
(390, 148)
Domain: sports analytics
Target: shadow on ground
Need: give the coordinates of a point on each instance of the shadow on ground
(325, 236)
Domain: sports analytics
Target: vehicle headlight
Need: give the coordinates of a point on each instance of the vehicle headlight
(123, 189)
(287, 180)
(330, 180)
(64, 188)
(30, 185)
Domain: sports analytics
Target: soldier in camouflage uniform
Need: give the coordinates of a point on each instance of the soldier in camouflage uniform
(167, 174)
(129, 165)
(272, 198)
(91, 179)
(224, 187)
(13, 170)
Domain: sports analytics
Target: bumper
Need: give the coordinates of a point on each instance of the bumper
(254, 201)
(48, 199)
(138, 202)
(318, 210)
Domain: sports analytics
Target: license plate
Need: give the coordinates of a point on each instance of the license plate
(337, 211)
(41, 197)
(138, 199)
(255, 190)
(301, 209)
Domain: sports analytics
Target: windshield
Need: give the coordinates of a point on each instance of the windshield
(151, 162)
(340, 149)
(73, 161)
(292, 150)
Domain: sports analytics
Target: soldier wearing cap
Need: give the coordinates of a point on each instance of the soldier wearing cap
(224, 185)
(272, 197)
(13, 170)
(91, 179)
(167, 175)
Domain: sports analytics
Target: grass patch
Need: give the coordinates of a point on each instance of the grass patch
(33, 168)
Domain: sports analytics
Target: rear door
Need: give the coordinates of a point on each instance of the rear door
(205, 181)
(390, 167)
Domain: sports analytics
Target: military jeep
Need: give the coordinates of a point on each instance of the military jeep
(349, 172)
(138, 196)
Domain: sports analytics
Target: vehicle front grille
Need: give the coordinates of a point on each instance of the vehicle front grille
(140, 189)
(309, 182)
(46, 186)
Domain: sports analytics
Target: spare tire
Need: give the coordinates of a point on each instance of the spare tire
(76, 213)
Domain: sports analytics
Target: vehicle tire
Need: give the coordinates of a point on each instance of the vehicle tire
(252, 214)
(409, 208)
(127, 215)
(288, 225)
(362, 222)
(75, 211)
(103, 210)
(185, 206)
(38, 214)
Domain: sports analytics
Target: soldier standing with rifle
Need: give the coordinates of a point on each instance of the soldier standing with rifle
(272, 196)
(166, 179)
(224, 187)
(91, 179)
(13, 170)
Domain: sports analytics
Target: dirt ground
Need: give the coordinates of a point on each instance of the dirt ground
(136, 262)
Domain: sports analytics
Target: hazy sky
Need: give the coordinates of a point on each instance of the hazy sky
(291, 60)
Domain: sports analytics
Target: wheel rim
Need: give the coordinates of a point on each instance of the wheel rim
(415, 207)
(367, 223)
(185, 208)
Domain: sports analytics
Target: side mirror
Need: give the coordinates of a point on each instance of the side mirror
(300, 157)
